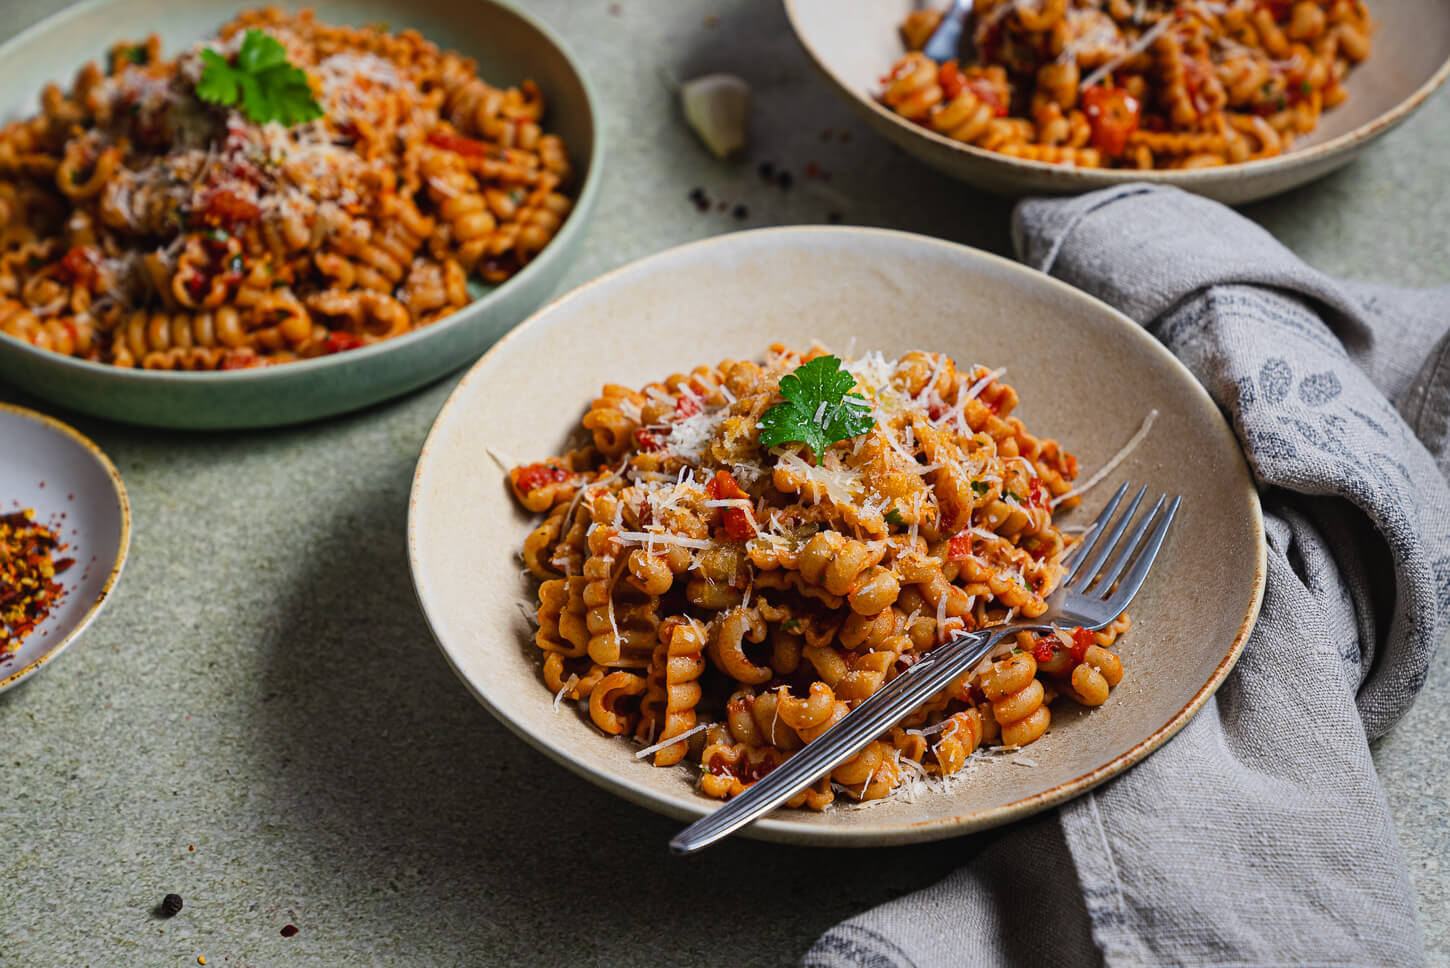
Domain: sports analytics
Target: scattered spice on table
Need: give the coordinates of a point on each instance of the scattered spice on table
(711, 20)
(783, 179)
(171, 905)
(834, 218)
(701, 200)
(28, 570)
(288, 930)
(741, 211)
(614, 9)
(767, 170)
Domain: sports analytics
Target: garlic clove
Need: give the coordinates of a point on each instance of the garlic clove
(717, 107)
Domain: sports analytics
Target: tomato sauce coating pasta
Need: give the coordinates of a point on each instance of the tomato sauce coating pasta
(143, 226)
(698, 585)
(1141, 84)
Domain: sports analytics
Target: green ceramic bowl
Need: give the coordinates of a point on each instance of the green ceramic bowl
(508, 45)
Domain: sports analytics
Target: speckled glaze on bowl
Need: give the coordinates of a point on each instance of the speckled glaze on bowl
(854, 42)
(508, 45)
(74, 488)
(1086, 374)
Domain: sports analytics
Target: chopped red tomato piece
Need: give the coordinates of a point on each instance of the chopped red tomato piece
(724, 486)
(645, 440)
(457, 143)
(960, 546)
(687, 406)
(1044, 650)
(1113, 114)
(1037, 494)
(341, 340)
(737, 524)
(79, 265)
(227, 208)
(951, 79)
(534, 476)
(1082, 640)
(988, 93)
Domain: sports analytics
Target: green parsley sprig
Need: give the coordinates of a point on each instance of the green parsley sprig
(819, 409)
(268, 86)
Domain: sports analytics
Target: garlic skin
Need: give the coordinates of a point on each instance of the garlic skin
(717, 108)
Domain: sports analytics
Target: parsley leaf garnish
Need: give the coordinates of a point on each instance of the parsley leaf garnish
(981, 487)
(791, 624)
(894, 517)
(819, 409)
(267, 85)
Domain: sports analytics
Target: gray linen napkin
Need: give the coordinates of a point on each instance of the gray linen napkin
(1260, 834)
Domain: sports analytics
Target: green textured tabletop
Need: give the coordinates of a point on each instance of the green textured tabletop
(261, 723)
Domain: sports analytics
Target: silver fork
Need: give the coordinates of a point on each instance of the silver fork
(944, 41)
(1093, 593)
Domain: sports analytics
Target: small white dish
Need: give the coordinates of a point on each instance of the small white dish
(73, 488)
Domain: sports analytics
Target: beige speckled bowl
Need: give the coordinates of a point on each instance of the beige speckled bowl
(1086, 375)
(855, 42)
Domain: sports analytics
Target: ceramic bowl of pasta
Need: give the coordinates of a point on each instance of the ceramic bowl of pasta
(819, 454)
(65, 527)
(1234, 100)
(217, 217)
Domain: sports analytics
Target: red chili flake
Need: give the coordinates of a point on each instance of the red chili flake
(28, 589)
(645, 440)
(288, 930)
(813, 170)
(960, 546)
(614, 10)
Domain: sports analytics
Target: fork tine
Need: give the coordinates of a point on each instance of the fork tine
(1094, 532)
(1126, 547)
(1101, 553)
(1133, 580)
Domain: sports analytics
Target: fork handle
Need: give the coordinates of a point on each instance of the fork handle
(882, 710)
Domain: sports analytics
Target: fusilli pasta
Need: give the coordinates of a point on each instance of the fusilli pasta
(1134, 83)
(141, 225)
(726, 602)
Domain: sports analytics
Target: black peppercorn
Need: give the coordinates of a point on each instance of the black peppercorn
(767, 170)
(171, 904)
(740, 211)
(783, 179)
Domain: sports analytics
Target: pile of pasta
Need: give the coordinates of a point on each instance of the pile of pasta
(1134, 83)
(143, 227)
(727, 603)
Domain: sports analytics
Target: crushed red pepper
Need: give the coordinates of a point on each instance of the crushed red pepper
(28, 570)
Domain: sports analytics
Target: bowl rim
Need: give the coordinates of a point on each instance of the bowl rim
(583, 203)
(774, 827)
(1088, 178)
(123, 546)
